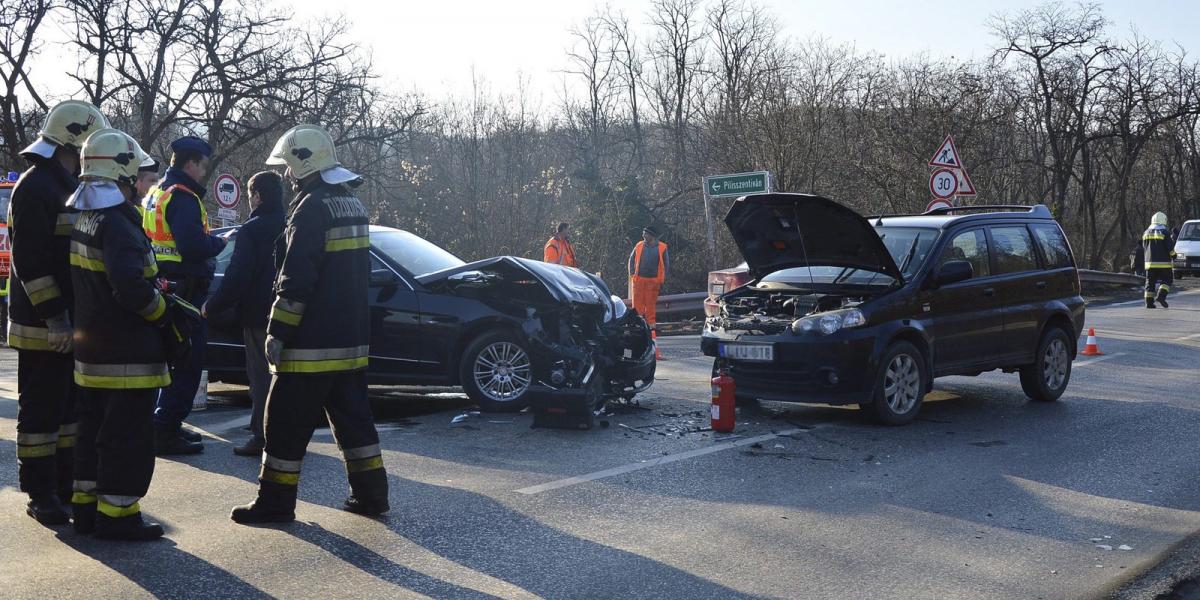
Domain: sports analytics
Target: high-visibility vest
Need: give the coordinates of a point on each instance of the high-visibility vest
(154, 221)
(564, 254)
(662, 264)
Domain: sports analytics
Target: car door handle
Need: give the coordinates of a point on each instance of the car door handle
(1041, 285)
(989, 292)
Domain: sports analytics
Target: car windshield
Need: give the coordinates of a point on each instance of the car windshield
(1190, 232)
(417, 255)
(5, 194)
(908, 246)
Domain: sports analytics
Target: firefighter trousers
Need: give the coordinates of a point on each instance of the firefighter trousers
(294, 408)
(46, 425)
(1158, 283)
(114, 459)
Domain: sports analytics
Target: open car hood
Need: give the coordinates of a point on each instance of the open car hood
(782, 231)
(567, 285)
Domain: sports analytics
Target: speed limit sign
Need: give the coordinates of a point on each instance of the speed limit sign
(943, 184)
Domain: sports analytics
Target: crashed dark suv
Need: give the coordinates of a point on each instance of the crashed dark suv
(846, 310)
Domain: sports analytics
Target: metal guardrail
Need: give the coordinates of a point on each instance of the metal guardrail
(1090, 276)
(694, 301)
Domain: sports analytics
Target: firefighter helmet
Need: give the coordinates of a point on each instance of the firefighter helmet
(1159, 218)
(308, 149)
(69, 123)
(112, 154)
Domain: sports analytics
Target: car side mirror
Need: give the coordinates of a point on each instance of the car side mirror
(953, 272)
(383, 278)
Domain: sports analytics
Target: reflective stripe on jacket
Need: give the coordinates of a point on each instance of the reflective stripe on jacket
(1158, 247)
(154, 221)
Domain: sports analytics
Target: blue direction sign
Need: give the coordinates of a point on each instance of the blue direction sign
(737, 184)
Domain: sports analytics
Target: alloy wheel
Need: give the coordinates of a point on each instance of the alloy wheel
(1054, 364)
(502, 371)
(902, 384)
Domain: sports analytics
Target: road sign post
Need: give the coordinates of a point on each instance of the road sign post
(729, 186)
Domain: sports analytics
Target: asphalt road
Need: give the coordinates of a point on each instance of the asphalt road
(986, 496)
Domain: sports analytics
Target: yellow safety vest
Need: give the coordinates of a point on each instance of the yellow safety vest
(154, 221)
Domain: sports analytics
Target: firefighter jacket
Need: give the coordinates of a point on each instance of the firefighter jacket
(321, 311)
(1158, 247)
(118, 309)
(39, 230)
(177, 223)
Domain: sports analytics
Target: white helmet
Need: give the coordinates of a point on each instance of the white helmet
(308, 149)
(68, 124)
(111, 154)
(1159, 218)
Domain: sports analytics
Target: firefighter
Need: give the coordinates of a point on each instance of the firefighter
(120, 360)
(1159, 251)
(41, 304)
(318, 334)
(177, 223)
(648, 267)
(558, 248)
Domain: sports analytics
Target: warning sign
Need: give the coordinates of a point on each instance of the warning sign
(228, 190)
(946, 155)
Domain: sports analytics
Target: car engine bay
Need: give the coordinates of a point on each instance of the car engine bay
(769, 312)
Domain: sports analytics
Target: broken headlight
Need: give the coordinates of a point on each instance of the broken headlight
(615, 309)
(830, 322)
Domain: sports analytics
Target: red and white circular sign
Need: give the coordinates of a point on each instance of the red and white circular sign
(227, 190)
(943, 184)
(936, 204)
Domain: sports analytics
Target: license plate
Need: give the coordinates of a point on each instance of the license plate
(750, 352)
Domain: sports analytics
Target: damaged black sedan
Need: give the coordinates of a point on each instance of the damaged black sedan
(511, 331)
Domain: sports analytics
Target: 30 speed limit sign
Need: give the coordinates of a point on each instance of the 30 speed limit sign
(943, 183)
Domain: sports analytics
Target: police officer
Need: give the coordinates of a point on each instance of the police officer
(41, 305)
(119, 355)
(177, 223)
(317, 338)
(1159, 250)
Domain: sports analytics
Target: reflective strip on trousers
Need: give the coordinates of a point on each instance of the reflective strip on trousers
(36, 445)
(323, 360)
(278, 470)
(364, 458)
(122, 377)
(66, 435)
(42, 289)
(1158, 265)
(116, 506)
(27, 337)
(85, 492)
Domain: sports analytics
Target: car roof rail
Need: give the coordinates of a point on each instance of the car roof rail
(1037, 210)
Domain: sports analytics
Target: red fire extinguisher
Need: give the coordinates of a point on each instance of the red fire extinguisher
(723, 402)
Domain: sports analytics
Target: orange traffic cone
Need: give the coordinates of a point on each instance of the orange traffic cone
(657, 351)
(1091, 349)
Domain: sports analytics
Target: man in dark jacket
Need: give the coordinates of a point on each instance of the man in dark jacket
(247, 285)
(41, 305)
(318, 335)
(120, 359)
(177, 223)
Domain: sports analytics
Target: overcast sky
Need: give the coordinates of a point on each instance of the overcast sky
(433, 45)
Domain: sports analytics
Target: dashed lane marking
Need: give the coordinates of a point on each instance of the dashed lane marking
(654, 462)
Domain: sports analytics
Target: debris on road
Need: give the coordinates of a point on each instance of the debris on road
(1124, 547)
(462, 417)
(1104, 546)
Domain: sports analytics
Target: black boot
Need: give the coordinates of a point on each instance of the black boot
(129, 528)
(276, 503)
(252, 447)
(1162, 299)
(170, 443)
(47, 509)
(190, 435)
(84, 519)
(371, 507)
(1150, 303)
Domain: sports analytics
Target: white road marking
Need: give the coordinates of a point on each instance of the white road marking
(654, 462)
(1097, 359)
(234, 423)
(1187, 337)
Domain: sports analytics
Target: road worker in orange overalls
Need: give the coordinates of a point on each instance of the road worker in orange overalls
(558, 249)
(648, 267)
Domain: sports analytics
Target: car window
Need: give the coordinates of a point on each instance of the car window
(908, 246)
(1013, 249)
(226, 255)
(5, 194)
(972, 247)
(416, 255)
(1189, 233)
(1053, 244)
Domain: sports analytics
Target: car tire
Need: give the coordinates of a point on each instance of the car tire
(1047, 378)
(497, 371)
(900, 385)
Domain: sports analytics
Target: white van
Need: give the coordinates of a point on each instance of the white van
(1187, 250)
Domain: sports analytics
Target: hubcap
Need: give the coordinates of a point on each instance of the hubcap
(1055, 364)
(502, 371)
(902, 384)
